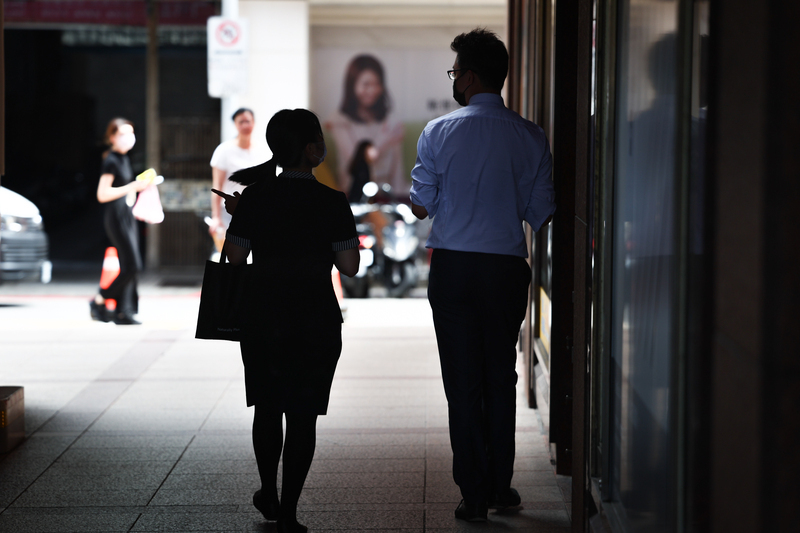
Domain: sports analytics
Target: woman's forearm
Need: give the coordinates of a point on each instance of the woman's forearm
(106, 193)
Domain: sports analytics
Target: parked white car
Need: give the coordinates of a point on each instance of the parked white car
(23, 242)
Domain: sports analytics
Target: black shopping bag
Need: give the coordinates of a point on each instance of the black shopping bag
(224, 300)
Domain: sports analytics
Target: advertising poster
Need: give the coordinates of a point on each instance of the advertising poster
(374, 103)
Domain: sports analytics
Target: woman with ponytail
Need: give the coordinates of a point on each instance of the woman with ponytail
(294, 339)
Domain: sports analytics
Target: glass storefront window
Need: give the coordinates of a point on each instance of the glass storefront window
(644, 263)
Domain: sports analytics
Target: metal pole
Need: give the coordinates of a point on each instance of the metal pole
(153, 124)
(2, 95)
(228, 104)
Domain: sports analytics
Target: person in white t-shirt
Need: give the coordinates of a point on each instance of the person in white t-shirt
(229, 157)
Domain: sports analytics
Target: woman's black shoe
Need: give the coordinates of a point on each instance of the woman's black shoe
(270, 509)
(471, 512)
(125, 320)
(98, 312)
(291, 526)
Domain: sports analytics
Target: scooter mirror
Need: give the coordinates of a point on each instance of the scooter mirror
(370, 189)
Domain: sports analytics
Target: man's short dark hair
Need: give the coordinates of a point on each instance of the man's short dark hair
(484, 54)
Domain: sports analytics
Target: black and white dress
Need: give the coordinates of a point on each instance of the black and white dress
(293, 225)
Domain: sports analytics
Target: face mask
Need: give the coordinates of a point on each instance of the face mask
(126, 141)
(324, 153)
(459, 97)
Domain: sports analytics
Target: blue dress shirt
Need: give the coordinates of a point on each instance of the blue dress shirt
(481, 170)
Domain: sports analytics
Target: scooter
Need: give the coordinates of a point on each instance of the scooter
(358, 285)
(397, 258)
(399, 253)
(391, 258)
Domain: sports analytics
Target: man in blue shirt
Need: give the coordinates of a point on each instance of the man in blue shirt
(480, 172)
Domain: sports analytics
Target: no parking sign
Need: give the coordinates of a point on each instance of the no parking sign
(227, 56)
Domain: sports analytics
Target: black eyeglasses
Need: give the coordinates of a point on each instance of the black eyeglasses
(452, 73)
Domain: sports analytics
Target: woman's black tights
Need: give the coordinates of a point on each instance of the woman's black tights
(298, 452)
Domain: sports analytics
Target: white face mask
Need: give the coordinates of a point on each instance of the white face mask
(125, 141)
(324, 152)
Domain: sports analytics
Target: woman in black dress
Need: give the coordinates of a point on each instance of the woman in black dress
(297, 229)
(361, 169)
(115, 188)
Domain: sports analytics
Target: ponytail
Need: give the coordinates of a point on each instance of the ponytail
(249, 176)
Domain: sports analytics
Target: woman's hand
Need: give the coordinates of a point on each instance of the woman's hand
(214, 226)
(107, 193)
(231, 200)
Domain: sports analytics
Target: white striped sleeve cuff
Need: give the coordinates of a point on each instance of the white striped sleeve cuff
(238, 241)
(345, 245)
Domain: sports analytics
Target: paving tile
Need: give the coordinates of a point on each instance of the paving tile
(70, 421)
(333, 438)
(67, 520)
(25, 467)
(222, 441)
(169, 447)
(367, 465)
(10, 489)
(358, 520)
(212, 481)
(119, 469)
(103, 476)
(116, 455)
(47, 497)
(408, 530)
(212, 453)
(443, 493)
(538, 463)
(539, 493)
(204, 496)
(369, 452)
(374, 495)
(185, 466)
(409, 422)
(547, 521)
(198, 521)
(42, 445)
(369, 479)
(90, 440)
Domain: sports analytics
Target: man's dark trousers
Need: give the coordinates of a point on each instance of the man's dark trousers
(479, 301)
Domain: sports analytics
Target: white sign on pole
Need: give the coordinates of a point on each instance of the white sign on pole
(227, 56)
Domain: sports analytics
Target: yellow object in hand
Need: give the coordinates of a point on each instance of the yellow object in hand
(148, 175)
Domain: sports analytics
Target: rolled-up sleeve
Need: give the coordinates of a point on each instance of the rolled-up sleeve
(425, 182)
(542, 200)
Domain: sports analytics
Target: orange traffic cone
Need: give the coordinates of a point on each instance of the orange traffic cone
(110, 273)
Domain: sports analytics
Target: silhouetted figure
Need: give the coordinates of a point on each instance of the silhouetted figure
(294, 338)
(117, 189)
(481, 170)
(361, 169)
(645, 207)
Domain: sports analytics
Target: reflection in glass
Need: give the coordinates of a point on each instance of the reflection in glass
(644, 262)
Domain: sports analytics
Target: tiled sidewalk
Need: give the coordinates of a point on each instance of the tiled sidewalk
(146, 429)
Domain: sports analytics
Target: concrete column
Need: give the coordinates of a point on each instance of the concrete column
(278, 60)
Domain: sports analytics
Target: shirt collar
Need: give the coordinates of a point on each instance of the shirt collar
(297, 174)
(487, 99)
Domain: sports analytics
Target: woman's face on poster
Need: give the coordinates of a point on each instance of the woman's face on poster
(368, 88)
